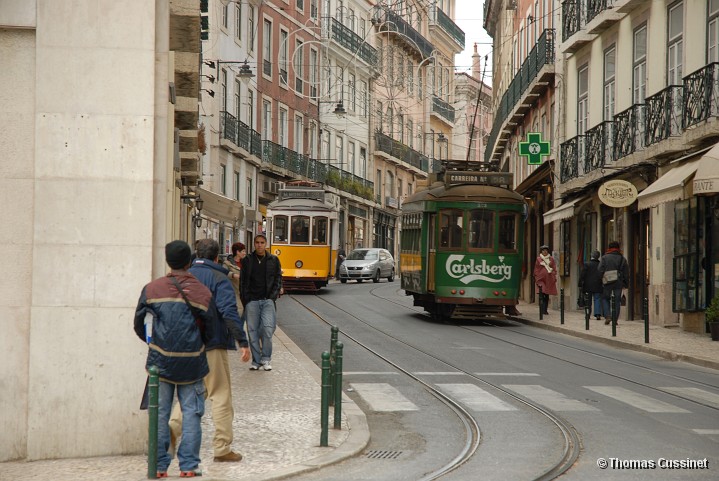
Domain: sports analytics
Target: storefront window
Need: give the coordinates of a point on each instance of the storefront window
(687, 282)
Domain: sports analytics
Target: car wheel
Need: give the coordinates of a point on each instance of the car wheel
(343, 281)
(391, 276)
(375, 279)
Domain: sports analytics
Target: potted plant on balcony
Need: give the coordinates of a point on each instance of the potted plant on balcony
(712, 317)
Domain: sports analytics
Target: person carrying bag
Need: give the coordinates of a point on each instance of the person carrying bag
(614, 269)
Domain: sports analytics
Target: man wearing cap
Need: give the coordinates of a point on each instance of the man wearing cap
(176, 335)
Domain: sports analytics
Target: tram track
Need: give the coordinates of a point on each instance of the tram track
(571, 440)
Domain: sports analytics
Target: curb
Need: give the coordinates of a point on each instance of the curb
(671, 356)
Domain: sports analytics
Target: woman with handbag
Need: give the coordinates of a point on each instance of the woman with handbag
(545, 277)
(614, 269)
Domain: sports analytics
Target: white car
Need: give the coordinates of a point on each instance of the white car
(371, 263)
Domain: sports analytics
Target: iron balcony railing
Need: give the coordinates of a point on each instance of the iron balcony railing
(572, 18)
(541, 54)
(334, 29)
(569, 158)
(388, 21)
(398, 150)
(442, 108)
(598, 142)
(438, 17)
(628, 131)
(701, 95)
(349, 182)
(664, 114)
(240, 134)
(595, 7)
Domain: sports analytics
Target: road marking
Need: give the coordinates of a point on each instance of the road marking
(505, 374)
(369, 373)
(382, 397)
(706, 431)
(551, 399)
(440, 373)
(639, 401)
(475, 397)
(696, 394)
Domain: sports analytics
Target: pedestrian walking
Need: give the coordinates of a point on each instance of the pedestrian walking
(228, 331)
(260, 286)
(341, 255)
(614, 269)
(590, 282)
(545, 277)
(232, 264)
(173, 317)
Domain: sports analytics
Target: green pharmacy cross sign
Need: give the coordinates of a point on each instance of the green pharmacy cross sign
(534, 148)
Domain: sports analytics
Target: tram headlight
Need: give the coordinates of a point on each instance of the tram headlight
(298, 264)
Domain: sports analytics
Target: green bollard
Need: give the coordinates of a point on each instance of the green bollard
(338, 385)
(561, 305)
(586, 311)
(152, 411)
(645, 307)
(324, 404)
(612, 312)
(333, 343)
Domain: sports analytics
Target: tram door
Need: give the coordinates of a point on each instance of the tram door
(431, 250)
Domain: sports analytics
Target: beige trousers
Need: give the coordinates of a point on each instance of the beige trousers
(219, 391)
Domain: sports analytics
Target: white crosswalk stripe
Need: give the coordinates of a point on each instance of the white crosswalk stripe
(696, 394)
(639, 401)
(381, 397)
(546, 397)
(708, 432)
(475, 398)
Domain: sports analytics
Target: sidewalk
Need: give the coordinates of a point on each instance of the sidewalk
(277, 430)
(670, 343)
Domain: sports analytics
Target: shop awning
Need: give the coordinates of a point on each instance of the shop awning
(668, 187)
(706, 180)
(564, 211)
(220, 207)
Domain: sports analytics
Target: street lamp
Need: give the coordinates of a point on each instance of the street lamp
(245, 72)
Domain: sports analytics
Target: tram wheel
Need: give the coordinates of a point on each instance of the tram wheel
(375, 279)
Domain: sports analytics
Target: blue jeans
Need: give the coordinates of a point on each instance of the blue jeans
(617, 304)
(192, 402)
(261, 325)
(598, 307)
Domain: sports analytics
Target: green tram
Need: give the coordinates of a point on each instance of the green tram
(462, 245)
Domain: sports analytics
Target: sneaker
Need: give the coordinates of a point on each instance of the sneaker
(254, 367)
(161, 474)
(191, 474)
(231, 457)
(266, 366)
(606, 321)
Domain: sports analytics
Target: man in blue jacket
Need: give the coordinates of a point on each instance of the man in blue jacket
(228, 330)
(176, 338)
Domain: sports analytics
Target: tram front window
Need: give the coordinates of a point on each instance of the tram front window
(300, 229)
(481, 228)
(450, 234)
(319, 230)
(280, 229)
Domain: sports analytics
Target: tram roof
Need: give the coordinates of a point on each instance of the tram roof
(301, 204)
(438, 191)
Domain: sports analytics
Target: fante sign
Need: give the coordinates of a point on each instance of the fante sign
(617, 193)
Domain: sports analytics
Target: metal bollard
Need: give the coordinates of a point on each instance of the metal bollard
(333, 342)
(561, 305)
(324, 403)
(645, 308)
(612, 311)
(338, 385)
(586, 310)
(541, 307)
(152, 411)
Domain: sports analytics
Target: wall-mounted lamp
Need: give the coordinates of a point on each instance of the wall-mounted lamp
(196, 218)
(244, 73)
(340, 110)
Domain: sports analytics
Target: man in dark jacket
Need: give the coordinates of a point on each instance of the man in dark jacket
(590, 282)
(613, 260)
(228, 330)
(260, 286)
(176, 341)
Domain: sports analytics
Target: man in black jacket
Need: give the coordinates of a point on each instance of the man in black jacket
(613, 260)
(590, 282)
(260, 286)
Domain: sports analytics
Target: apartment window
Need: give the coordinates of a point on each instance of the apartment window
(410, 79)
(351, 157)
(380, 120)
(399, 188)
(223, 90)
(236, 179)
(313, 74)
(639, 68)
(250, 195)
(313, 9)
(420, 94)
(609, 76)
(298, 134)
(300, 5)
(325, 146)
(282, 127)
(267, 48)
(299, 68)
(250, 108)
(351, 20)
(409, 189)
(352, 104)
(225, 15)
(339, 13)
(313, 140)
(390, 120)
(363, 98)
(266, 120)
(410, 137)
(363, 162)
(583, 100)
(238, 21)
(362, 28)
(400, 127)
(713, 32)
(326, 8)
(251, 27)
(238, 102)
(675, 45)
(339, 151)
(283, 57)
(223, 179)
(400, 72)
(389, 188)
(378, 183)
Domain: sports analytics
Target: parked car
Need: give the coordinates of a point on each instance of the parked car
(372, 263)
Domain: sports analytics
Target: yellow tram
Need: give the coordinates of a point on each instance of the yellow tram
(303, 232)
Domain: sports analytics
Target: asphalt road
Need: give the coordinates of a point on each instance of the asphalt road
(632, 410)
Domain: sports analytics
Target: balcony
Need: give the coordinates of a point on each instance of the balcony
(348, 182)
(570, 153)
(240, 134)
(439, 18)
(601, 15)
(387, 21)
(628, 131)
(533, 69)
(701, 95)
(664, 114)
(443, 109)
(598, 142)
(398, 150)
(574, 19)
(333, 29)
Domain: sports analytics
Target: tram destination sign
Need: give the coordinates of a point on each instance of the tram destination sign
(498, 179)
(316, 194)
